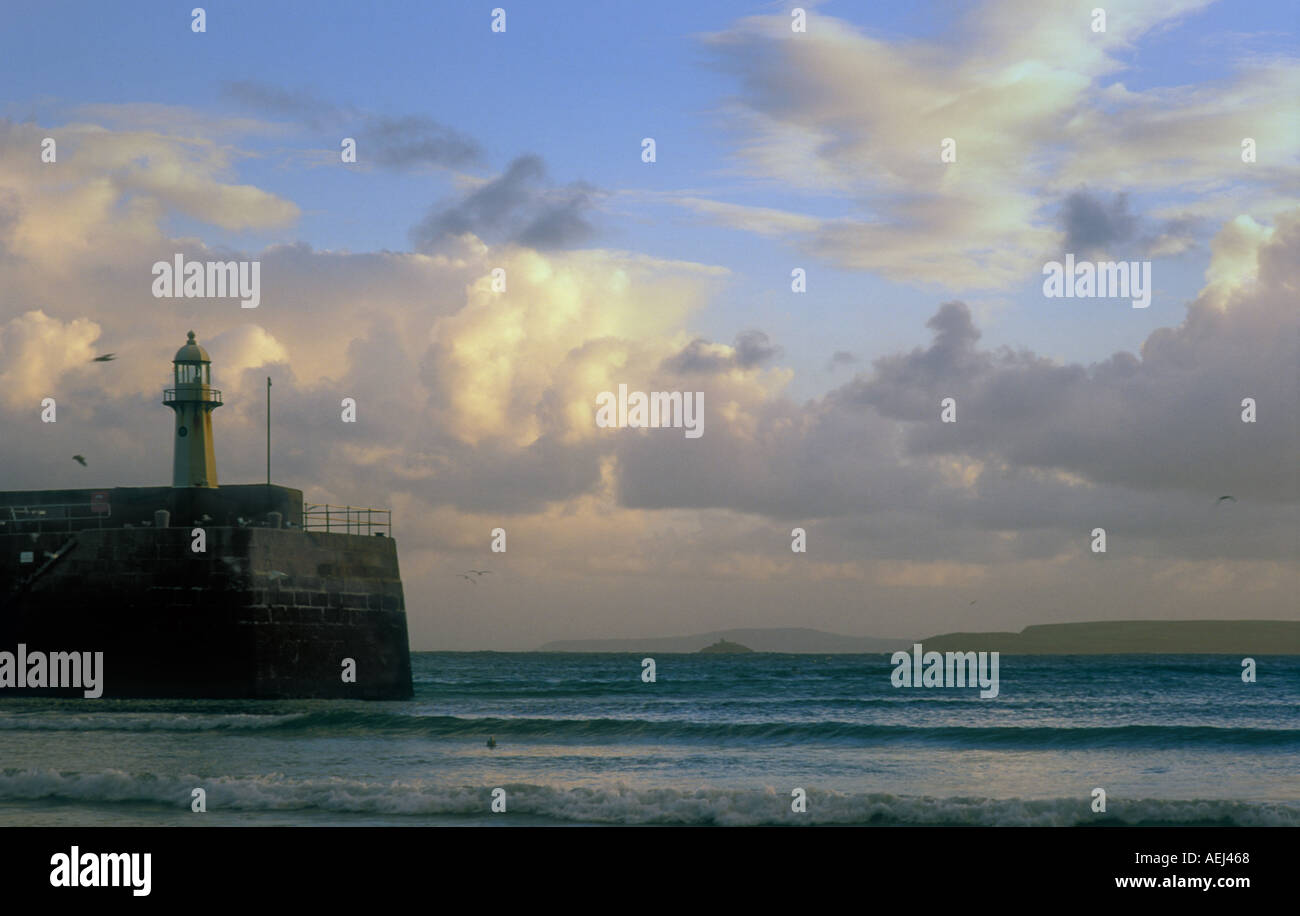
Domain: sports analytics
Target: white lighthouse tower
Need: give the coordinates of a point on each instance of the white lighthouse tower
(193, 399)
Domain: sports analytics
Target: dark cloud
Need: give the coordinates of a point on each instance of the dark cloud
(415, 140)
(1096, 227)
(1092, 223)
(519, 206)
(397, 142)
(293, 104)
(1165, 419)
(696, 358)
(751, 348)
(1142, 444)
(916, 376)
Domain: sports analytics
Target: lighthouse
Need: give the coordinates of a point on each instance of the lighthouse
(277, 600)
(193, 399)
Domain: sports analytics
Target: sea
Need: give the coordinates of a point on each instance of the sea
(582, 739)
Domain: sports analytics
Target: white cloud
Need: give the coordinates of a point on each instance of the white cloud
(1018, 86)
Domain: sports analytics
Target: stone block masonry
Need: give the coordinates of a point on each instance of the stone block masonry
(262, 613)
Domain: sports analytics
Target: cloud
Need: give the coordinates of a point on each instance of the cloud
(1165, 419)
(410, 140)
(1091, 223)
(475, 409)
(1234, 260)
(751, 349)
(519, 206)
(1041, 453)
(109, 189)
(248, 346)
(292, 104)
(1095, 226)
(36, 350)
(8, 218)
(398, 142)
(1032, 100)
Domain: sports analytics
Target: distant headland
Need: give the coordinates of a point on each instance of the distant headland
(1171, 637)
(1120, 637)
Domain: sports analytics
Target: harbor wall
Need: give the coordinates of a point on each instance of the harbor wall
(261, 612)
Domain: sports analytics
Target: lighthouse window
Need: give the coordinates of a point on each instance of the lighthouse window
(182, 432)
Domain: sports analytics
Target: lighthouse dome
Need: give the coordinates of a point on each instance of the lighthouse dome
(191, 352)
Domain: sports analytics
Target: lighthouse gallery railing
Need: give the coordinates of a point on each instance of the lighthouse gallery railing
(201, 393)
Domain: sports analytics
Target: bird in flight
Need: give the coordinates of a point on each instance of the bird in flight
(480, 572)
(80, 459)
(1229, 498)
(469, 579)
(106, 358)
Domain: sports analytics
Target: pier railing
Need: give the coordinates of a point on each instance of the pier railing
(348, 519)
(53, 517)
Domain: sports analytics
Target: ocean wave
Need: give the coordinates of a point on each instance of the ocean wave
(335, 722)
(147, 722)
(620, 804)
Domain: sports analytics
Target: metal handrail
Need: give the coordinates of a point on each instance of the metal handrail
(205, 395)
(348, 519)
(40, 515)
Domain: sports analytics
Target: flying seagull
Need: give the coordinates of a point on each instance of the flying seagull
(106, 358)
(480, 572)
(80, 459)
(1229, 498)
(469, 579)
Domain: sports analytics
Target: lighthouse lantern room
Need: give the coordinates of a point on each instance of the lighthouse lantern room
(193, 399)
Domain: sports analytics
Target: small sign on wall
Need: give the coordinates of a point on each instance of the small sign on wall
(99, 502)
(27, 556)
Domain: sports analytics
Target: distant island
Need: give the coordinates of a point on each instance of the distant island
(722, 647)
(1171, 637)
(1244, 637)
(777, 639)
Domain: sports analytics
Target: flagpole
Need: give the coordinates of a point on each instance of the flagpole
(268, 430)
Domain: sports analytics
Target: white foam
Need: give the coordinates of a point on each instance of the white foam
(618, 803)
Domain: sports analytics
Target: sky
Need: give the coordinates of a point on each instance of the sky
(819, 150)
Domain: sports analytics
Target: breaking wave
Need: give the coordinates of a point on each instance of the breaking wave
(355, 723)
(618, 804)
